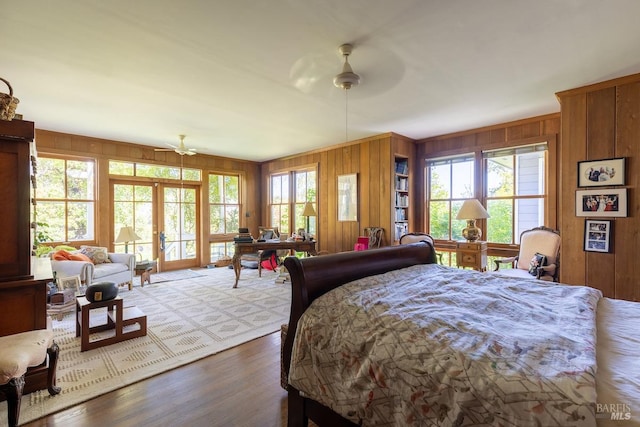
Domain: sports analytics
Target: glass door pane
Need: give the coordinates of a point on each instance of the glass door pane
(133, 207)
(179, 241)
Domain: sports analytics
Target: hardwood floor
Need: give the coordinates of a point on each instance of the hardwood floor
(237, 387)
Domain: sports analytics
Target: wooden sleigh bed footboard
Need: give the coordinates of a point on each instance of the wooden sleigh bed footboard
(315, 276)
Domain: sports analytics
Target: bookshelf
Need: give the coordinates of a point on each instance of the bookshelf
(401, 196)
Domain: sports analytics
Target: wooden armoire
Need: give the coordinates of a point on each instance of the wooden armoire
(23, 280)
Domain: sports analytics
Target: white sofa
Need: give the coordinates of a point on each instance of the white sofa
(120, 270)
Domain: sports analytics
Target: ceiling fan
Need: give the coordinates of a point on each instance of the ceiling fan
(311, 73)
(180, 148)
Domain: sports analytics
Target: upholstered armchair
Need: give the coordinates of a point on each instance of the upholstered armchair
(539, 256)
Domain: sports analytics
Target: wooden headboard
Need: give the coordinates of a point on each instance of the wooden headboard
(313, 277)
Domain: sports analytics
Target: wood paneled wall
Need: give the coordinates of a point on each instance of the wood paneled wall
(372, 160)
(48, 142)
(521, 132)
(596, 121)
(601, 121)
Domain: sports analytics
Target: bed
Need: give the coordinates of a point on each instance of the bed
(389, 337)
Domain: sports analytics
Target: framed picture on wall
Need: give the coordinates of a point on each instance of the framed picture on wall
(606, 202)
(597, 235)
(348, 197)
(598, 173)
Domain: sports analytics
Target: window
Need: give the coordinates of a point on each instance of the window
(515, 192)
(154, 171)
(305, 192)
(65, 198)
(279, 202)
(224, 204)
(224, 213)
(133, 206)
(285, 198)
(450, 183)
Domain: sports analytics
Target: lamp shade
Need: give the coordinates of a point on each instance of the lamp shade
(126, 234)
(309, 210)
(472, 209)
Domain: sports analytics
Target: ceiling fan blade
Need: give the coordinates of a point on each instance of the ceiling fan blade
(184, 151)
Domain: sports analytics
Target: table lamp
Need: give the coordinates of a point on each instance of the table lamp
(308, 211)
(472, 210)
(126, 235)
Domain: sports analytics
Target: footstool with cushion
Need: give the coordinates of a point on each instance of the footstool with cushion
(18, 352)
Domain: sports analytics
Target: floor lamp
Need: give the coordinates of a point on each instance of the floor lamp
(126, 235)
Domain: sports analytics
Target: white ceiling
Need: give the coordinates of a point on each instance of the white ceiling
(253, 79)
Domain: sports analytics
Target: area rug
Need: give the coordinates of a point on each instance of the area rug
(172, 276)
(186, 321)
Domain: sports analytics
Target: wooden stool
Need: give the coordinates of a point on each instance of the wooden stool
(144, 268)
(145, 276)
(19, 352)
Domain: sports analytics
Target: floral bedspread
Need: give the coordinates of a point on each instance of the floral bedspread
(436, 346)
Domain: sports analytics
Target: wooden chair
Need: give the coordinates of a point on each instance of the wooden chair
(375, 235)
(540, 240)
(408, 238)
(266, 233)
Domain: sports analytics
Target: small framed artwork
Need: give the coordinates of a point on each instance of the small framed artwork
(348, 197)
(602, 203)
(598, 173)
(71, 282)
(597, 235)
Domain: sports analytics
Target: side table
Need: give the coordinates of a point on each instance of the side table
(117, 317)
(472, 254)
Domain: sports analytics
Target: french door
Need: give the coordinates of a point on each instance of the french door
(164, 216)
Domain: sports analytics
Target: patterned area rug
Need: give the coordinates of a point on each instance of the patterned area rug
(186, 321)
(172, 276)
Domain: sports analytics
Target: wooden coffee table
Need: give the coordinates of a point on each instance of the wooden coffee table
(117, 317)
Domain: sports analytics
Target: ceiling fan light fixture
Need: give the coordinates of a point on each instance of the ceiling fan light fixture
(347, 78)
(182, 149)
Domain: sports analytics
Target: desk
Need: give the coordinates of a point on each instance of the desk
(251, 248)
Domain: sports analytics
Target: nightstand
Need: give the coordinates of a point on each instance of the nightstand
(472, 254)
